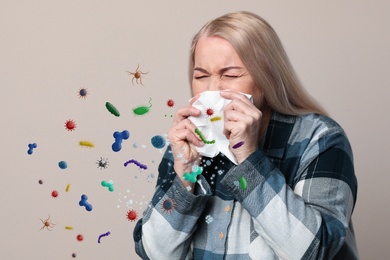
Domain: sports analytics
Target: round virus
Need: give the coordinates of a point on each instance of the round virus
(131, 215)
(210, 111)
(63, 165)
(158, 141)
(170, 103)
(54, 194)
(83, 92)
(168, 205)
(80, 237)
(70, 125)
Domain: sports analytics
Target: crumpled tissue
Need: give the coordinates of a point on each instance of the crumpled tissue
(211, 123)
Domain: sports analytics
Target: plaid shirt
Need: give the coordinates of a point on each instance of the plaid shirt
(297, 203)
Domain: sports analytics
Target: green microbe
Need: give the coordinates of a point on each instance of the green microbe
(142, 110)
(112, 109)
(243, 183)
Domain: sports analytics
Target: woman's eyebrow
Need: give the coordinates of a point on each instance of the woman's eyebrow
(223, 70)
(201, 70)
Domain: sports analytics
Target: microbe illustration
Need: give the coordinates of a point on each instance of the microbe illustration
(238, 145)
(243, 183)
(70, 125)
(87, 144)
(119, 136)
(47, 224)
(103, 235)
(193, 175)
(215, 118)
(54, 194)
(83, 93)
(67, 188)
(83, 202)
(108, 184)
(137, 75)
(170, 103)
(31, 147)
(102, 163)
(112, 109)
(158, 141)
(132, 215)
(168, 205)
(63, 165)
(140, 165)
(142, 110)
(80, 237)
(210, 111)
(198, 132)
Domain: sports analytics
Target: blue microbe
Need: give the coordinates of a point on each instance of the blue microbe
(119, 136)
(31, 148)
(158, 141)
(63, 165)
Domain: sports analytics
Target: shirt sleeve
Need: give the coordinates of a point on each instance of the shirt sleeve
(309, 218)
(166, 229)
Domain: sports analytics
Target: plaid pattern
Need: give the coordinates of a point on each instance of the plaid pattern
(300, 195)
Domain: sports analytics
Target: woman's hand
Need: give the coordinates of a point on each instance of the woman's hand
(182, 138)
(242, 124)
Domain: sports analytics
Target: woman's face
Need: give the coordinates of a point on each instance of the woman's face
(218, 67)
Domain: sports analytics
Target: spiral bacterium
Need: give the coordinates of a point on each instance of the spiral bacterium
(142, 166)
(198, 132)
(112, 109)
(142, 110)
(103, 235)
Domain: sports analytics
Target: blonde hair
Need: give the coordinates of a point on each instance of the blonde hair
(261, 50)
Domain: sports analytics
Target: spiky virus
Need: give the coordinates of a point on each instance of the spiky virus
(102, 163)
(132, 215)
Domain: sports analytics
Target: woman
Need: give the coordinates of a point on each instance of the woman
(293, 190)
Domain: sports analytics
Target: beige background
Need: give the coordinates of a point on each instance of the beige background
(51, 49)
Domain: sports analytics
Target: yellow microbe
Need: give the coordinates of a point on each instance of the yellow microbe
(227, 208)
(220, 235)
(67, 187)
(68, 227)
(215, 118)
(87, 143)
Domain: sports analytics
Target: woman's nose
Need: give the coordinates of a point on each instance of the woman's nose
(214, 83)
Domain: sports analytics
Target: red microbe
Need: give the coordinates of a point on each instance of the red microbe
(54, 194)
(210, 111)
(131, 215)
(70, 125)
(170, 103)
(80, 237)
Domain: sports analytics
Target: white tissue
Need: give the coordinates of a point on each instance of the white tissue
(211, 126)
